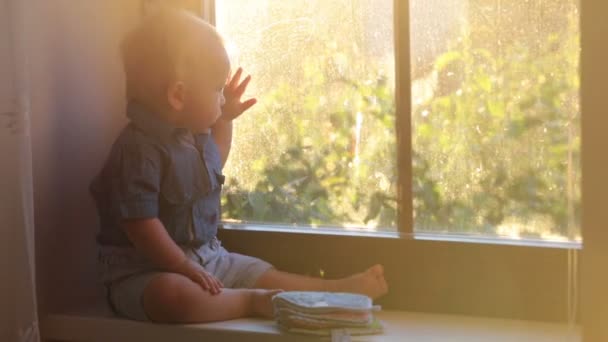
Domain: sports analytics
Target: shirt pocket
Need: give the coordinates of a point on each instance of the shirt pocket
(186, 181)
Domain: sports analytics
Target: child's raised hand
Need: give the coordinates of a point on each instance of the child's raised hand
(233, 92)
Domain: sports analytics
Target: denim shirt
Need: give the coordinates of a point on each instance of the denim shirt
(156, 170)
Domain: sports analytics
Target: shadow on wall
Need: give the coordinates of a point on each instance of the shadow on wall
(77, 110)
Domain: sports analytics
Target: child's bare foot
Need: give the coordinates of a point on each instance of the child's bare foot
(371, 282)
(262, 302)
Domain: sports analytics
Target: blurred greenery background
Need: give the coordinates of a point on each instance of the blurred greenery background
(495, 117)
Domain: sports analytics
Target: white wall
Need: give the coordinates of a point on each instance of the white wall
(77, 109)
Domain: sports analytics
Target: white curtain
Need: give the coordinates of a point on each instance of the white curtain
(18, 311)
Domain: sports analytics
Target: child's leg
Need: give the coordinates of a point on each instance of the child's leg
(370, 282)
(173, 298)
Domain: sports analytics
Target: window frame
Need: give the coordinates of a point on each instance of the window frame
(409, 249)
(594, 72)
(403, 132)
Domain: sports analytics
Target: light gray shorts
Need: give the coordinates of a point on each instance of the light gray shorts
(126, 274)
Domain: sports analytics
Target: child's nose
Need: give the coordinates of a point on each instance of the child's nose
(222, 100)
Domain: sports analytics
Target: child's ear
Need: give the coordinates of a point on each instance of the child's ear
(176, 95)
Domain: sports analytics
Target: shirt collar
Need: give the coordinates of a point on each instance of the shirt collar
(151, 123)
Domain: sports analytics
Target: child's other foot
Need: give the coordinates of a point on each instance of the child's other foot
(262, 302)
(371, 282)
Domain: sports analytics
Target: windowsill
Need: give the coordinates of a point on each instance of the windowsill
(98, 324)
(444, 237)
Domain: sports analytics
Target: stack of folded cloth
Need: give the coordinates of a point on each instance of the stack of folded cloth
(326, 313)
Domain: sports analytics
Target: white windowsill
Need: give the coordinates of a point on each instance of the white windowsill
(457, 238)
(98, 324)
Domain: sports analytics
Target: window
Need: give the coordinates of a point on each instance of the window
(319, 147)
(494, 115)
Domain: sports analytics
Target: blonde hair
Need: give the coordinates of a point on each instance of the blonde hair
(163, 48)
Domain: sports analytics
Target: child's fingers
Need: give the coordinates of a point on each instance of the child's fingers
(235, 78)
(247, 104)
(217, 287)
(218, 284)
(200, 279)
(213, 287)
(241, 88)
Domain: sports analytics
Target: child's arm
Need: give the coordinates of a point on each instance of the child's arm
(232, 109)
(222, 135)
(152, 240)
